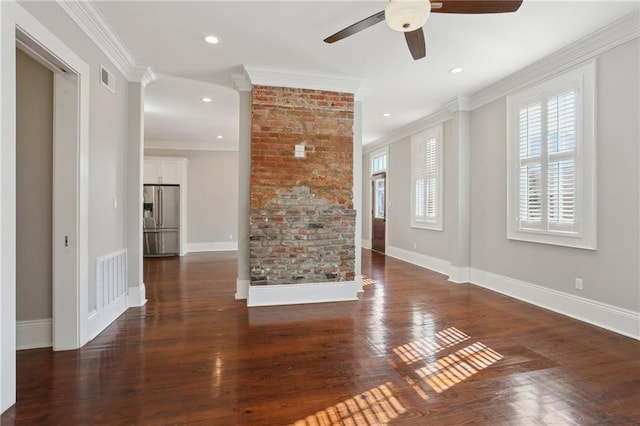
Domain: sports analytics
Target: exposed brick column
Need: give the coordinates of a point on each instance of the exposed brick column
(302, 216)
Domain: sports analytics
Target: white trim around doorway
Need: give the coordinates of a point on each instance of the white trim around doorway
(70, 297)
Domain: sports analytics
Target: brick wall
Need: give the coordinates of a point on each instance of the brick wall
(302, 217)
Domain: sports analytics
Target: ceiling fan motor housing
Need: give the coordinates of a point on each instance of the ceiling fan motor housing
(406, 15)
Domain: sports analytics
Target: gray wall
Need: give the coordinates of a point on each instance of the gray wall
(610, 274)
(400, 234)
(34, 191)
(107, 139)
(212, 194)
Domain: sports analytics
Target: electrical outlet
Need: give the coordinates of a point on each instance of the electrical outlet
(579, 283)
(415, 245)
(231, 236)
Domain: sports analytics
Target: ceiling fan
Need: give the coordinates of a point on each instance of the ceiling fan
(408, 16)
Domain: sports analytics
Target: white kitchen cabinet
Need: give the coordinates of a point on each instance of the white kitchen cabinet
(165, 170)
(170, 171)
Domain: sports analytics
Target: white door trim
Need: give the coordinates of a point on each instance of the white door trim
(70, 290)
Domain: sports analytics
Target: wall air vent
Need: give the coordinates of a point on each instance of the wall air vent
(107, 79)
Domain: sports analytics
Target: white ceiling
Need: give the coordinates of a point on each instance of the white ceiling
(287, 35)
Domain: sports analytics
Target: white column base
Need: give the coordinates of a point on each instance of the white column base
(294, 294)
(242, 289)
(137, 296)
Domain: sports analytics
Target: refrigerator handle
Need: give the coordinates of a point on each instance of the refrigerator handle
(161, 206)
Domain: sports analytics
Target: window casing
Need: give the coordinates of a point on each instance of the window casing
(551, 161)
(426, 179)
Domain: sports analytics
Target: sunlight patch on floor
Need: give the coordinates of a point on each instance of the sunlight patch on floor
(452, 369)
(377, 406)
(414, 351)
(366, 281)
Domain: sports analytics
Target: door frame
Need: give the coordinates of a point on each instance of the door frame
(373, 154)
(71, 194)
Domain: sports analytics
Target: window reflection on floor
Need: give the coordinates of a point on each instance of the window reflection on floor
(453, 369)
(423, 374)
(420, 349)
(375, 406)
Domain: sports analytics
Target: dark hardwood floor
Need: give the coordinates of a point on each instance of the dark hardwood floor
(414, 350)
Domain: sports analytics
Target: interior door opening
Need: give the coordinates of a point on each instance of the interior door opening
(34, 203)
(60, 325)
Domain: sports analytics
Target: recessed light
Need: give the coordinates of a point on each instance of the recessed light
(455, 70)
(211, 39)
(219, 137)
(386, 114)
(205, 99)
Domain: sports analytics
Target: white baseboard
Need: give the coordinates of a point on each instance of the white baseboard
(618, 320)
(359, 284)
(621, 321)
(432, 263)
(293, 294)
(215, 246)
(366, 244)
(34, 334)
(99, 321)
(242, 289)
(137, 296)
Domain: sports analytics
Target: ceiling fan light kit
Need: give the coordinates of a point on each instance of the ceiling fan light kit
(406, 15)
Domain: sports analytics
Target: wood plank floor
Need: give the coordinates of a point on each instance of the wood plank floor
(414, 350)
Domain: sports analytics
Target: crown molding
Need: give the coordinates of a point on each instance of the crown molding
(241, 82)
(91, 21)
(144, 75)
(190, 145)
(260, 76)
(613, 35)
(459, 103)
(410, 129)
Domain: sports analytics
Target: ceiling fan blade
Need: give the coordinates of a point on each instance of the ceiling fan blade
(475, 6)
(416, 43)
(356, 28)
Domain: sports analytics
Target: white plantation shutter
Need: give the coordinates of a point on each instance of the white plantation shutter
(431, 178)
(530, 126)
(561, 148)
(418, 158)
(426, 172)
(547, 148)
(551, 151)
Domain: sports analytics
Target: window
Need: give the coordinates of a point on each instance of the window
(426, 179)
(378, 162)
(379, 197)
(551, 161)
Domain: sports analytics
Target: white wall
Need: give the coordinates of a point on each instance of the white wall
(212, 197)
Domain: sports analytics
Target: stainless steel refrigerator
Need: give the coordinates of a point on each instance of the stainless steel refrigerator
(161, 218)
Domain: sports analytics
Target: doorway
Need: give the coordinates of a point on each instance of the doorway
(34, 197)
(378, 212)
(65, 327)
(70, 188)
